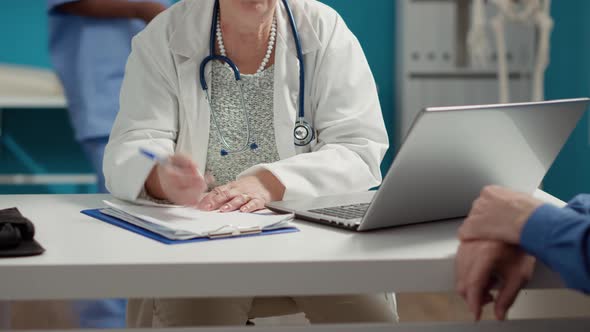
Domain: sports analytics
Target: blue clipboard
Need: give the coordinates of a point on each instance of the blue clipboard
(95, 213)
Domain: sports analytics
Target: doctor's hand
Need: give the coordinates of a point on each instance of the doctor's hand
(481, 265)
(178, 181)
(498, 214)
(247, 194)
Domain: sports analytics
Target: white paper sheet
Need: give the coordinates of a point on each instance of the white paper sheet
(187, 222)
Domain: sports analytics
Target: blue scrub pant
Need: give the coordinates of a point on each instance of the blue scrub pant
(94, 150)
(102, 313)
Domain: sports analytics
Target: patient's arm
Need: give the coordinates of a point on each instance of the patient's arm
(561, 239)
(109, 9)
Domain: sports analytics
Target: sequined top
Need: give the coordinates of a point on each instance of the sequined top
(228, 122)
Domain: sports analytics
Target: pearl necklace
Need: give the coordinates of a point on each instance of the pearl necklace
(271, 43)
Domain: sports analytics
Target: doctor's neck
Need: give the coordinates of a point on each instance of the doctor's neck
(246, 24)
(248, 16)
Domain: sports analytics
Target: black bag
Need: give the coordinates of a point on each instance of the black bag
(16, 235)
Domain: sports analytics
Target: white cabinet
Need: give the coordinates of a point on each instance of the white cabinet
(433, 66)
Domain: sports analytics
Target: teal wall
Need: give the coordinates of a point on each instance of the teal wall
(41, 141)
(23, 32)
(373, 23)
(569, 76)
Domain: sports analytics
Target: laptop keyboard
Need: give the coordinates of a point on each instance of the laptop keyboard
(353, 211)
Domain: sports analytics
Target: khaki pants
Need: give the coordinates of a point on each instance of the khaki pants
(236, 311)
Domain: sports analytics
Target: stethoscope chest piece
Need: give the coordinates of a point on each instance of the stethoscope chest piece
(303, 133)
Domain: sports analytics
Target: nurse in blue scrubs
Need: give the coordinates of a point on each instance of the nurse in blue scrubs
(90, 41)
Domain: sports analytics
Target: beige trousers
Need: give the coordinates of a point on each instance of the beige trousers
(237, 311)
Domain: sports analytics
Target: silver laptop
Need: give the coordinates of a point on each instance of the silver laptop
(448, 156)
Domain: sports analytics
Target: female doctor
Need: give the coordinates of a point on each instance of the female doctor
(273, 99)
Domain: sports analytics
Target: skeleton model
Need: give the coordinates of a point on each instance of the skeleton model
(530, 12)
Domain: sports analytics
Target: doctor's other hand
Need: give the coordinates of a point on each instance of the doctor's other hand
(178, 181)
(148, 10)
(247, 194)
(498, 214)
(482, 265)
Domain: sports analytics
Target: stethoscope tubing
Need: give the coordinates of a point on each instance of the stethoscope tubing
(301, 122)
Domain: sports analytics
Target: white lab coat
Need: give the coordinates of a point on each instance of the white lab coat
(161, 96)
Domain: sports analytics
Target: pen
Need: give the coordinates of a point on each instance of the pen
(162, 161)
(153, 156)
(165, 161)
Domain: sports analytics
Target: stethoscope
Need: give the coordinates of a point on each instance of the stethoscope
(303, 133)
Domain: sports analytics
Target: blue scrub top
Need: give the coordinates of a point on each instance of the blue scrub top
(89, 56)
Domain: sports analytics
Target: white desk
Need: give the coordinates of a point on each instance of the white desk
(28, 102)
(87, 258)
(38, 102)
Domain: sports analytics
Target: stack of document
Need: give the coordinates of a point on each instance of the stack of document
(185, 223)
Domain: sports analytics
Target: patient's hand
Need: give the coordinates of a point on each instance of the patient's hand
(480, 265)
(178, 181)
(247, 194)
(498, 214)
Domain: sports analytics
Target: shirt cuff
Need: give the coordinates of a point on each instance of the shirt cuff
(292, 183)
(143, 194)
(538, 228)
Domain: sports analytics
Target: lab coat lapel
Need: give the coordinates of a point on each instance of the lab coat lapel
(286, 84)
(286, 89)
(190, 43)
(195, 114)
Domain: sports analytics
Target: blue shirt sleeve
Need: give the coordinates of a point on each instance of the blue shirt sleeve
(580, 204)
(560, 238)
